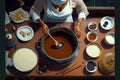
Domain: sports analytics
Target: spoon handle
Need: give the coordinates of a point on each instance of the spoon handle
(52, 38)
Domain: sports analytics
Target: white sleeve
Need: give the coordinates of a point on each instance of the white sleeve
(81, 9)
(35, 15)
(36, 10)
(82, 15)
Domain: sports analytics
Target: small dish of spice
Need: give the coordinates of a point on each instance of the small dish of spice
(92, 26)
(92, 36)
(91, 66)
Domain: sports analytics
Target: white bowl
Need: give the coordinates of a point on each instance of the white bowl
(92, 36)
(110, 38)
(91, 66)
(92, 26)
(107, 23)
(94, 50)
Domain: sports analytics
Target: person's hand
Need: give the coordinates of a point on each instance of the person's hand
(77, 30)
(45, 29)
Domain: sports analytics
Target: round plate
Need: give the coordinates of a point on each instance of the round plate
(25, 59)
(109, 25)
(21, 14)
(25, 33)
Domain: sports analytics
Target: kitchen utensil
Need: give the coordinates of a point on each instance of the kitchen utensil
(57, 44)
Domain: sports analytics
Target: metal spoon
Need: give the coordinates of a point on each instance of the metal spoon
(57, 44)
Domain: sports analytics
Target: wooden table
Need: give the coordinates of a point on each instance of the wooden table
(82, 56)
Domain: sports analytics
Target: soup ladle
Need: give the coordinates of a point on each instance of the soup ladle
(57, 43)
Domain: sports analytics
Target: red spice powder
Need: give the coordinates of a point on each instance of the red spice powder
(92, 36)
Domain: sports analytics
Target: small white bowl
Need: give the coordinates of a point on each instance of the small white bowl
(110, 38)
(92, 36)
(92, 26)
(107, 23)
(94, 50)
(91, 66)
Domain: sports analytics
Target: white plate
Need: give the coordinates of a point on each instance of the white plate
(19, 21)
(25, 59)
(25, 29)
(110, 24)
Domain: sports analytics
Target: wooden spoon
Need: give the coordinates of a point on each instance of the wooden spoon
(57, 43)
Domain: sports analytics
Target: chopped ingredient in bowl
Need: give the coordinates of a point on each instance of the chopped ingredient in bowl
(92, 27)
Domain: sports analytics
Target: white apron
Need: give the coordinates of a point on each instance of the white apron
(53, 15)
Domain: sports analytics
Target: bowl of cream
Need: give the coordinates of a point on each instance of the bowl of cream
(110, 38)
(94, 50)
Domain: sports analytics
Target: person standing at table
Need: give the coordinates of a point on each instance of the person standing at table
(59, 11)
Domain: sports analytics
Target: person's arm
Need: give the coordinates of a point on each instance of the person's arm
(45, 28)
(81, 9)
(77, 27)
(82, 14)
(36, 10)
(35, 14)
(78, 22)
